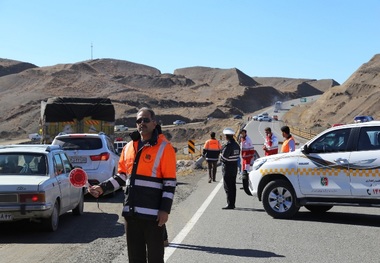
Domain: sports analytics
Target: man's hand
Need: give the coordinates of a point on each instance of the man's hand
(95, 191)
(162, 217)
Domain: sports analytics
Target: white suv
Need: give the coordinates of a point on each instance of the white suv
(95, 153)
(340, 166)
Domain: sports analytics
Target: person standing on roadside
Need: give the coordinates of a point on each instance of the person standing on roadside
(147, 167)
(229, 158)
(211, 151)
(247, 151)
(271, 143)
(289, 144)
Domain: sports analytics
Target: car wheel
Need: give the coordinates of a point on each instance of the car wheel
(51, 223)
(318, 209)
(279, 199)
(78, 210)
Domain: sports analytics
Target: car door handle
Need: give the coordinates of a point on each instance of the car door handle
(341, 161)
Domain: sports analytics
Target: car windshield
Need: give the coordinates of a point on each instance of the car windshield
(22, 164)
(79, 143)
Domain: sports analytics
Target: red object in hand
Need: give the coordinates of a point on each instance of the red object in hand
(78, 178)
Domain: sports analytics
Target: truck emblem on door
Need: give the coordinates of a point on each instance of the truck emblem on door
(324, 181)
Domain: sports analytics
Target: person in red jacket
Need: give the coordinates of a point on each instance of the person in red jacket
(271, 142)
(247, 151)
(147, 167)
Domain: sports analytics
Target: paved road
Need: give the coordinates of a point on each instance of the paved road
(255, 129)
(200, 231)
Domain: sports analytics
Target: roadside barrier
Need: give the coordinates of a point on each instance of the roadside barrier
(303, 133)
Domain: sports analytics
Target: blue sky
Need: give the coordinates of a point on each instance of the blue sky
(314, 39)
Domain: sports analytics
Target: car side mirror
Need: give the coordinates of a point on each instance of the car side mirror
(305, 149)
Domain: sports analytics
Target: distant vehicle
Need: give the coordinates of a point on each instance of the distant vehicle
(120, 128)
(95, 153)
(35, 185)
(179, 122)
(264, 118)
(238, 117)
(34, 137)
(278, 106)
(363, 118)
(255, 118)
(119, 145)
(275, 117)
(340, 166)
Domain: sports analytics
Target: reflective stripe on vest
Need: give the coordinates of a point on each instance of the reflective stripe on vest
(141, 210)
(158, 158)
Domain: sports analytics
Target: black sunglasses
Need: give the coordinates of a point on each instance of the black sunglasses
(145, 120)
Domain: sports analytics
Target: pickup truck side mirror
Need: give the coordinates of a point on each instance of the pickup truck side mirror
(305, 149)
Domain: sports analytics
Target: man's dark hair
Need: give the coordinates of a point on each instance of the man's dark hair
(212, 134)
(285, 129)
(243, 130)
(268, 129)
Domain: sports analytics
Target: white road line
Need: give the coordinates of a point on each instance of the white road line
(181, 235)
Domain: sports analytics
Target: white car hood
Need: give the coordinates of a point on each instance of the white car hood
(281, 155)
(274, 157)
(23, 183)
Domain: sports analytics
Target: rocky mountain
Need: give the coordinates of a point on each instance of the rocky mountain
(358, 95)
(191, 94)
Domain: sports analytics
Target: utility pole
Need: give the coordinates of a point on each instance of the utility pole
(91, 50)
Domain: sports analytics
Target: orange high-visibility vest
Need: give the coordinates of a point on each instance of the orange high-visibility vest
(151, 178)
(285, 145)
(212, 149)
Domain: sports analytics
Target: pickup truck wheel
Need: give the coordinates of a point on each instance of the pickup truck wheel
(51, 223)
(279, 199)
(78, 210)
(318, 209)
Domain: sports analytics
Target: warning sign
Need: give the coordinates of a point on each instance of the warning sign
(191, 146)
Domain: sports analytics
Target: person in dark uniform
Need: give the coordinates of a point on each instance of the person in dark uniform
(229, 158)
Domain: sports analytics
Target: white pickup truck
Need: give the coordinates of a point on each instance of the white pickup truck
(119, 128)
(340, 166)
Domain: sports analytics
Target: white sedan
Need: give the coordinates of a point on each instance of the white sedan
(35, 185)
(179, 122)
(264, 118)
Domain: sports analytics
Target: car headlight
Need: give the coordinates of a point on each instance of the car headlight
(258, 163)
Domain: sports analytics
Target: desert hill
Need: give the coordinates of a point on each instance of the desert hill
(191, 94)
(358, 95)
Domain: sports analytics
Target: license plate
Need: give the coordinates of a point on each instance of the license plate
(6, 217)
(78, 159)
